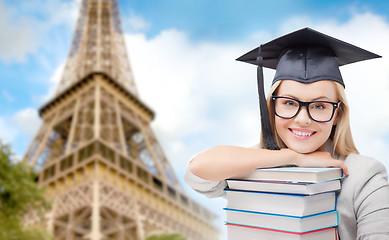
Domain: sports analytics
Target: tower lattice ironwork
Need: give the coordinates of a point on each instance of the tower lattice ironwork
(96, 153)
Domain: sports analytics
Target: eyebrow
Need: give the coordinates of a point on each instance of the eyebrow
(315, 99)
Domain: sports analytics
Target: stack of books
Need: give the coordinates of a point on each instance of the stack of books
(283, 203)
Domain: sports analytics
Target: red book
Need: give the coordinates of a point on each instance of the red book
(239, 232)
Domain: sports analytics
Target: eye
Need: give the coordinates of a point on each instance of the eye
(319, 106)
(289, 103)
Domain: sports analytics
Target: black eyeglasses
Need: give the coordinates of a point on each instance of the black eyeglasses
(319, 111)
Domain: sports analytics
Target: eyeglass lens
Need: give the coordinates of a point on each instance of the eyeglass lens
(318, 110)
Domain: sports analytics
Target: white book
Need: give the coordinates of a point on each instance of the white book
(237, 232)
(282, 222)
(279, 203)
(292, 174)
(284, 187)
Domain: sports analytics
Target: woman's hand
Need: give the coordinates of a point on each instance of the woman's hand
(319, 159)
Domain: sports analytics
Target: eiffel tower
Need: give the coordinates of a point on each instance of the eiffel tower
(96, 153)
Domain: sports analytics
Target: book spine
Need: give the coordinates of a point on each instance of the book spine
(280, 231)
(261, 223)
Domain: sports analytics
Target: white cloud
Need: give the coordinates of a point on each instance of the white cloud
(7, 131)
(17, 37)
(189, 84)
(52, 86)
(24, 24)
(19, 129)
(27, 121)
(50, 13)
(63, 12)
(135, 23)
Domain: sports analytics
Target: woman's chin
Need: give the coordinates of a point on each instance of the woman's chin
(303, 149)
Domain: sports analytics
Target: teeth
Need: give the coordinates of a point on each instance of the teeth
(302, 133)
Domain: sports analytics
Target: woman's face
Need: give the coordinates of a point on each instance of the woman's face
(301, 133)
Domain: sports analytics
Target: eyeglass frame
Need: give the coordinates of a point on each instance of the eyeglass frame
(305, 104)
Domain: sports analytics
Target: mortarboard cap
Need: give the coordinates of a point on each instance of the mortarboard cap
(305, 56)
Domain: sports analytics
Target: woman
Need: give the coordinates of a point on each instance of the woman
(309, 118)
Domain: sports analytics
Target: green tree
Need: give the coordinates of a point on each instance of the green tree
(166, 236)
(19, 194)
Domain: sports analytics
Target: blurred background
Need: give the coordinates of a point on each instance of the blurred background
(182, 54)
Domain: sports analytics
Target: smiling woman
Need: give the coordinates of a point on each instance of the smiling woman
(307, 125)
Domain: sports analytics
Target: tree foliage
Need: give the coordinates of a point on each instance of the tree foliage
(166, 236)
(19, 194)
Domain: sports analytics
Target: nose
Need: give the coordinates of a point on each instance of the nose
(303, 117)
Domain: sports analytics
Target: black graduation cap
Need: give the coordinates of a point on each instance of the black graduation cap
(305, 56)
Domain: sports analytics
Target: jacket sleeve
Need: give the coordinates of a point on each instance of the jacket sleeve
(211, 189)
(371, 202)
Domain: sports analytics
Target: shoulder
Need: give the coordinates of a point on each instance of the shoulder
(363, 169)
(358, 163)
(364, 199)
(366, 175)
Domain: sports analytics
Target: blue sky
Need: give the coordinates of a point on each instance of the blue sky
(201, 95)
(231, 20)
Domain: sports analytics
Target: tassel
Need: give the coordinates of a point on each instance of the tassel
(267, 132)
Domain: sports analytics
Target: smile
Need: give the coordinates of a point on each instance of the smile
(305, 133)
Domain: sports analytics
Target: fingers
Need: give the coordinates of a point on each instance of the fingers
(341, 165)
(321, 159)
(330, 162)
